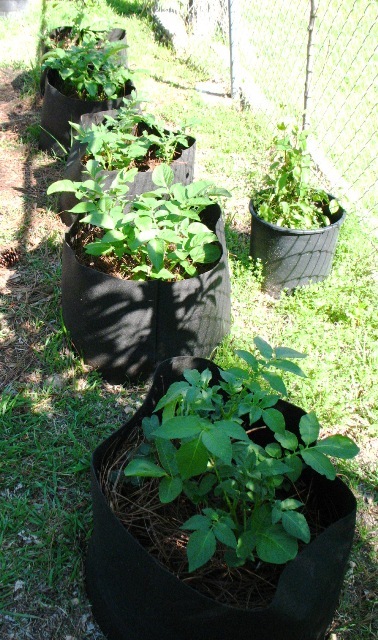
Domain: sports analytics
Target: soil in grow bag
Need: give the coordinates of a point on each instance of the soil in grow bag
(132, 580)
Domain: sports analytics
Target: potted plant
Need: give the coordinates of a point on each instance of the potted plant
(217, 510)
(86, 78)
(294, 224)
(126, 138)
(147, 279)
(78, 28)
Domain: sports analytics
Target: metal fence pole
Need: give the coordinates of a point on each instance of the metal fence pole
(233, 51)
(309, 61)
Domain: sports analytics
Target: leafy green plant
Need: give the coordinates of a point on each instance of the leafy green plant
(165, 141)
(197, 443)
(77, 20)
(161, 233)
(286, 197)
(90, 72)
(79, 28)
(130, 136)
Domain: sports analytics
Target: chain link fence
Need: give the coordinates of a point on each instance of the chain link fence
(317, 57)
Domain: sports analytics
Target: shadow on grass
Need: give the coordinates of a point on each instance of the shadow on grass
(45, 505)
(144, 10)
(355, 616)
(171, 83)
(30, 291)
(131, 7)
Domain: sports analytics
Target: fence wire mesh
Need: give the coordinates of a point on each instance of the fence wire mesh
(271, 56)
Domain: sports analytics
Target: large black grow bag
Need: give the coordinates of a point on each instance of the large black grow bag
(58, 110)
(183, 169)
(290, 257)
(60, 34)
(124, 327)
(135, 598)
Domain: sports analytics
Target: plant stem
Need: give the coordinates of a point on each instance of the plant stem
(227, 499)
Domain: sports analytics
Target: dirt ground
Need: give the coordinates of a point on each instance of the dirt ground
(25, 221)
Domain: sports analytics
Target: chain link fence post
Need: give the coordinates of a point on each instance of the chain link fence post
(232, 30)
(309, 61)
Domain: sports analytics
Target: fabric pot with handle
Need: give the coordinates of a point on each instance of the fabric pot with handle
(125, 327)
(291, 257)
(58, 110)
(60, 34)
(133, 596)
(183, 169)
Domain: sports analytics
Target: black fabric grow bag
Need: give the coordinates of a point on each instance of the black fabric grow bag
(135, 598)
(124, 328)
(62, 33)
(183, 169)
(58, 110)
(290, 257)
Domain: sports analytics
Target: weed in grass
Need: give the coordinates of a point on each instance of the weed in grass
(32, 134)
(28, 81)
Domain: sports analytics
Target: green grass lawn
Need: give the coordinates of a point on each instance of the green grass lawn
(54, 410)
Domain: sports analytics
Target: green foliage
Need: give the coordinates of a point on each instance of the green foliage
(287, 198)
(90, 72)
(83, 26)
(162, 230)
(130, 136)
(200, 447)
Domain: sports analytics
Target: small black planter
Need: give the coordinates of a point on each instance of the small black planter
(290, 257)
(124, 328)
(60, 34)
(58, 110)
(183, 169)
(9, 6)
(135, 597)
